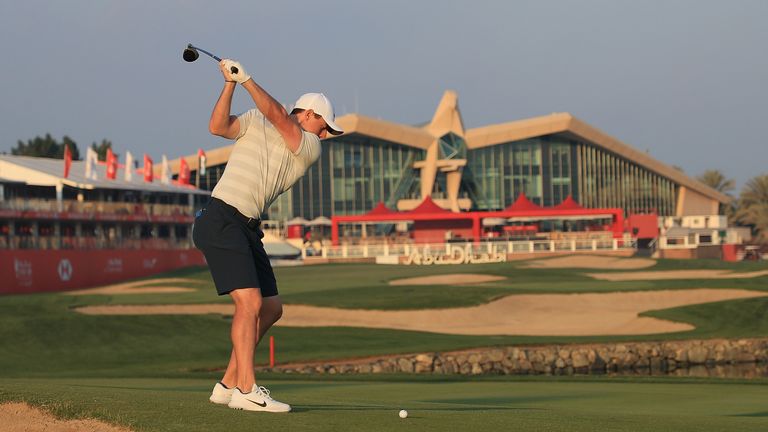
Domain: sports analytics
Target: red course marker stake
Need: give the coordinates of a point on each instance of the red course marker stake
(271, 351)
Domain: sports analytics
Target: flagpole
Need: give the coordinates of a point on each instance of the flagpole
(197, 173)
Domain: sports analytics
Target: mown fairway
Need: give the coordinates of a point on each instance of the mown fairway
(155, 372)
(341, 405)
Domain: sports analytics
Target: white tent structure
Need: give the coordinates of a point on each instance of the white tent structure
(297, 221)
(37, 171)
(320, 221)
(277, 248)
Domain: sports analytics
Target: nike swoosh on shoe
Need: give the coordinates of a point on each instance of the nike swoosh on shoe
(262, 404)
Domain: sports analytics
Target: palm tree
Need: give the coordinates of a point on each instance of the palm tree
(717, 181)
(753, 207)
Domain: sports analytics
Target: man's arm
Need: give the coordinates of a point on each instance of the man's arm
(222, 123)
(272, 110)
(276, 114)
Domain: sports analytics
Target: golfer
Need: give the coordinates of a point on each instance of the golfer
(272, 150)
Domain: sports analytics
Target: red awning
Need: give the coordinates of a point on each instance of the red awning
(380, 209)
(568, 204)
(427, 207)
(522, 203)
(521, 210)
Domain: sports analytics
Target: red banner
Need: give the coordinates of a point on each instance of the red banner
(28, 271)
(67, 160)
(148, 174)
(111, 164)
(184, 172)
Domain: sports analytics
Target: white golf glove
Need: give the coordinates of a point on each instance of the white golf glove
(241, 76)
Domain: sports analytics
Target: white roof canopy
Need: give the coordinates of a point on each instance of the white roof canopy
(38, 171)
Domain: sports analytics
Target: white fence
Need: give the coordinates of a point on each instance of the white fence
(492, 248)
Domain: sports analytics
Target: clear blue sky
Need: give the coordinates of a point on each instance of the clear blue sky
(686, 80)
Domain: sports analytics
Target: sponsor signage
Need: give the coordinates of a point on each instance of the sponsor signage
(114, 265)
(23, 270)
(65, 270)
(56, 270)
(453, 255)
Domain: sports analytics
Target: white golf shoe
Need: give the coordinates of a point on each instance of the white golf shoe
(257, 400)
(221, 394)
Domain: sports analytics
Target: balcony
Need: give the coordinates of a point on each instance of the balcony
(41, 209)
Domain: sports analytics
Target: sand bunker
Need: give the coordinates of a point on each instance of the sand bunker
(191, 309)
(677, 274)
(448, 279)
(20, 417)
(137, 287)
(591, 261)
(528, 314)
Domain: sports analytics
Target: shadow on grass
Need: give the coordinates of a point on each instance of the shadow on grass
(756, 414)
(496, 401)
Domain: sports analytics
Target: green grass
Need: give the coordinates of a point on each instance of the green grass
(366, 286)
(62, 343)
(155, 372)
(333, 405)
(745, 318)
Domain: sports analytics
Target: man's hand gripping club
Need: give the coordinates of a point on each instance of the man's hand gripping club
(226, 69)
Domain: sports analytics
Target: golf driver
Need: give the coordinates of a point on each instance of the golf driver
(191, 54)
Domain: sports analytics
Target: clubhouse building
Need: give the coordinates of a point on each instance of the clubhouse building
(544, 159)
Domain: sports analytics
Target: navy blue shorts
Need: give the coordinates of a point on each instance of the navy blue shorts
(233, 249)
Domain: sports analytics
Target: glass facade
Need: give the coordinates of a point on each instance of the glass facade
(209, 179)
(354, 174)
(607, 180)
(504, 171)
(560, 168)
(594, 177)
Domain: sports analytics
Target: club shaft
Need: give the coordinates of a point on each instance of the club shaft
(215, 57)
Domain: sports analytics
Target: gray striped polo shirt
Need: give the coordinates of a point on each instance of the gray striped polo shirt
(261, 167)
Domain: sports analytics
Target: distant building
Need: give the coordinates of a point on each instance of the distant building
(546, 158)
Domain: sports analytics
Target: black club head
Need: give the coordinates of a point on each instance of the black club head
(190, 54)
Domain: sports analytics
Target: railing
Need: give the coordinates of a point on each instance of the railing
(496, 247)
(89, 242)
(95, 207)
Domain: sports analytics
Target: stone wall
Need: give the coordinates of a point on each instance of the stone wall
(644, 357)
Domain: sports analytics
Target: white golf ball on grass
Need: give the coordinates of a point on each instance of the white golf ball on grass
(403, 413)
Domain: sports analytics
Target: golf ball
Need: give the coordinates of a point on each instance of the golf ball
(403, 413)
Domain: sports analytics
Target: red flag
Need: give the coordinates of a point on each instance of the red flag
(67, 160)
(148, 175)
(184, 172)
(111, 164)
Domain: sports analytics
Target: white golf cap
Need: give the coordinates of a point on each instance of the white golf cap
(320, 104)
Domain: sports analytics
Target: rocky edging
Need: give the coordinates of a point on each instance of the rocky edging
(659, 357)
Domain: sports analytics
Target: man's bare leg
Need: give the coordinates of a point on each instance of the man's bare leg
(247, 308)
(257, 398)
(271, 311)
